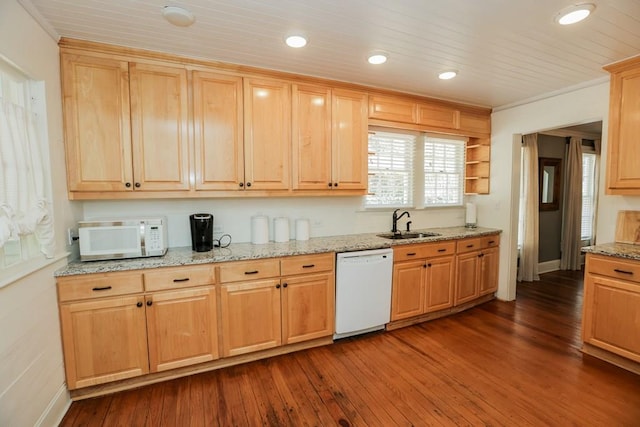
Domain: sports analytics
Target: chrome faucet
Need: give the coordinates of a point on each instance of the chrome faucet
(394, 229)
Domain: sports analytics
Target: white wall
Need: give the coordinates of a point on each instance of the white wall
(32, 390)
(329, 216)
(500, 208)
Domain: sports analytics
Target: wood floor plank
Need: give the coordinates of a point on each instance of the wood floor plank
(500, 364)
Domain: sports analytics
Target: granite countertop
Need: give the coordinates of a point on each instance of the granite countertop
(247, 251)
(619, 250)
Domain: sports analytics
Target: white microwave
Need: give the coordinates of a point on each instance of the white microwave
(126, 238)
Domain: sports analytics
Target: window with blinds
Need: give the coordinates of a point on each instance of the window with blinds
(588, 195)
(443, 172)
(391, 169)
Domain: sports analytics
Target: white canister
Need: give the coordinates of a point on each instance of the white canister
(302, 229)
(281, 229)
(259, 230)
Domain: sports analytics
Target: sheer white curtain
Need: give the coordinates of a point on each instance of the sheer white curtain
(529, 214)
(572, 216)
(24, 208)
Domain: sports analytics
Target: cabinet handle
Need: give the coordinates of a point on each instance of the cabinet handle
(278, 286)
(127, 184)
(139, 304)
(241, 184)
(149, 303)
(491, 242)
(308, 266)
(186, 279)
(470, 246)
(442, 250)
(623, 272)
(411, 254)
(137, 185)
(104, 288)
(248, 184)
(251, 272)
(284, 285)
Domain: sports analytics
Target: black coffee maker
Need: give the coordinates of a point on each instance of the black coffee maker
(201, 232)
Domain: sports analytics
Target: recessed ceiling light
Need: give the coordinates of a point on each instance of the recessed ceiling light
(447, 75)
(296, 41)
(178, 16)
(574, 13)
(377, 58)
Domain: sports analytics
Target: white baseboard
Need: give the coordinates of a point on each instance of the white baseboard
(58, 407)
(549, 266)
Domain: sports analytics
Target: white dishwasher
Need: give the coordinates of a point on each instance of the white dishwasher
(363, 291)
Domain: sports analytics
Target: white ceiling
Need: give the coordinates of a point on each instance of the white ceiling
(505, 50)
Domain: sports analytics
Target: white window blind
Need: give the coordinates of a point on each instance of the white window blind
(588, 195)
(443, 171)
(390, 169)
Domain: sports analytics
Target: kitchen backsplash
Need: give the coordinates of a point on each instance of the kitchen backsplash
(327, 216)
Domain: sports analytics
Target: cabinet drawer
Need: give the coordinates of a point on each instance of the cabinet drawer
(408, 252)
(468, 245)
(435, 249)
(490, 241)
(98, 285)
(249, 270)
(179, 277)
(613, 267)
(306, 264)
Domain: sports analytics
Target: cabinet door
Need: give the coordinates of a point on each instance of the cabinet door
(96, 123)
(467, 277)
(489, 271)
(308, 307)
(104, 340)
(349, 136)
(436, 115)
(217, 116)
(311, 138)
(159, 127)
(439, 284)
(407, 295)
(624, 127)
(612, 315)
(267, 134)
(182, 328)
(392, 108)
(250, 313)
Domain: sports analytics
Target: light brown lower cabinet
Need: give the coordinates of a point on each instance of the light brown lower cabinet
(268, 312)
(611, 310)
(476, 268)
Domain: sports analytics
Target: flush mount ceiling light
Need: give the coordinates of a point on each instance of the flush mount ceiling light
(377, 58)
(447, 75)
(296, 41)
(178, 16)
(574, 13)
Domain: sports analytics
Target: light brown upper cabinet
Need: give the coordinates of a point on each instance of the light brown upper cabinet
(125, 125)
(96, 123)
(391, 108)
(623, 174)
(329, 139)
(159, 121)
(218, 131)
(438, 116)
(267, 134)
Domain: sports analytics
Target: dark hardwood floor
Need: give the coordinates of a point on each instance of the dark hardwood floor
(502, 363)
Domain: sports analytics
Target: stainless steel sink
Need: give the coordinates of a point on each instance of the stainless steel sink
(410, 235)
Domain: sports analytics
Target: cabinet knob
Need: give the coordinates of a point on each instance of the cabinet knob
(139, 304)
(330, 184)
(127, 184)
(335, 184)
(149, 303)
(284, 285)
(428, 265)
(424, 266)
(137, 185)
(248, 184)
(278, 286)
(241, 184)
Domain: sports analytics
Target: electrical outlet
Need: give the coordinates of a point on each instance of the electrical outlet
(72, 235)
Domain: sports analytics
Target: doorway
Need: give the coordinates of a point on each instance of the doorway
(554, 188)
